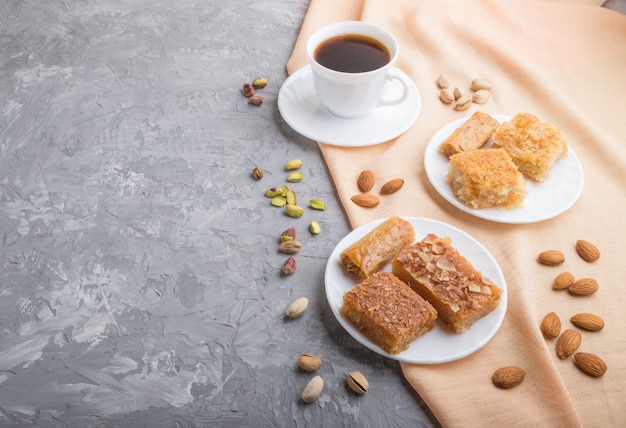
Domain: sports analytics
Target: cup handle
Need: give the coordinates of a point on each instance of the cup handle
(393, 75)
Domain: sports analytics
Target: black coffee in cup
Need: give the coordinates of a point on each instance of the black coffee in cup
(352, 53)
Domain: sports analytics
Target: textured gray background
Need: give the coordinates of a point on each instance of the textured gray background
(140, 279)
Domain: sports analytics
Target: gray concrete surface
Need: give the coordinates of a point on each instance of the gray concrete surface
(140, 281)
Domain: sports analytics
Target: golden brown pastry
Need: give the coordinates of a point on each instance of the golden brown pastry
(473, 134)
(378, 247)
(441, 275)
(534, 146)
(486, 177)
(388, 312)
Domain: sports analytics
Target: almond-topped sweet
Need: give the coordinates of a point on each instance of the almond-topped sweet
(442, 276)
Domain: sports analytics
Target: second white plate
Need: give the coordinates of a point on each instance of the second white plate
(439, 345)
(544, 200)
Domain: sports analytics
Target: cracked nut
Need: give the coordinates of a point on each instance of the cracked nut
(357, 382)
(463, 103)
(446, 96)
(290, 266)
(481, 96)
(290, 247)
(443, 81)
(313, 390)
(257, 173)
(297, 308)
(309, 362)
(256, 100)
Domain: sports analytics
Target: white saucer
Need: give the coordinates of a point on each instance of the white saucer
(302, 110)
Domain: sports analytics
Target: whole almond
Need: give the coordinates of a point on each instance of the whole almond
(366, 180)
(508, 376)
(590, 364)
(567, 343)
(392, 186)
(551, 257)
(313, 390)
(584, 287)
(589, 322)
(366, 200)
(563, 280)
(551, 326)
(587, 251)
(309, 362)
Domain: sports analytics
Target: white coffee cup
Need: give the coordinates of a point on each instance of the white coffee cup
(354, 95)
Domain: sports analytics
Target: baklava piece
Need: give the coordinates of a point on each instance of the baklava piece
(441, 275)
(473, 134)
(534, 146)
(486, 177)
(388, 312)
(370, 253)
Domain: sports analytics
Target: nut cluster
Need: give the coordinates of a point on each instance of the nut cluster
(355, 380)
(480, 92)
(569, 341)
(249, 90)
(366, 181)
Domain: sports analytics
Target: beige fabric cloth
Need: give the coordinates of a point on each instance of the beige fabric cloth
(564, 61)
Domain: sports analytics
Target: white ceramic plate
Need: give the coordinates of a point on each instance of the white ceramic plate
(302, 110)
(438, 345)
(544, 200)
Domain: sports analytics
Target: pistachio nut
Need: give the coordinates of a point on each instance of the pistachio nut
(295, 177)
(297, 308)
(309, 362)
(443, 81)
(288, 234)
(274, 191)
(315, 227)
(259, 83)
(290, 247)
(247, 90)
(279, 201)
(290, 266)
(478, 84)
(317, 204)
(256, 100)
(481, 96)
(446, 96)
(463, 103)
(291, 197)
(313, 390)
(257, 173)
(357, 382)
(294, 210)
(457, 93)
(293, 164)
